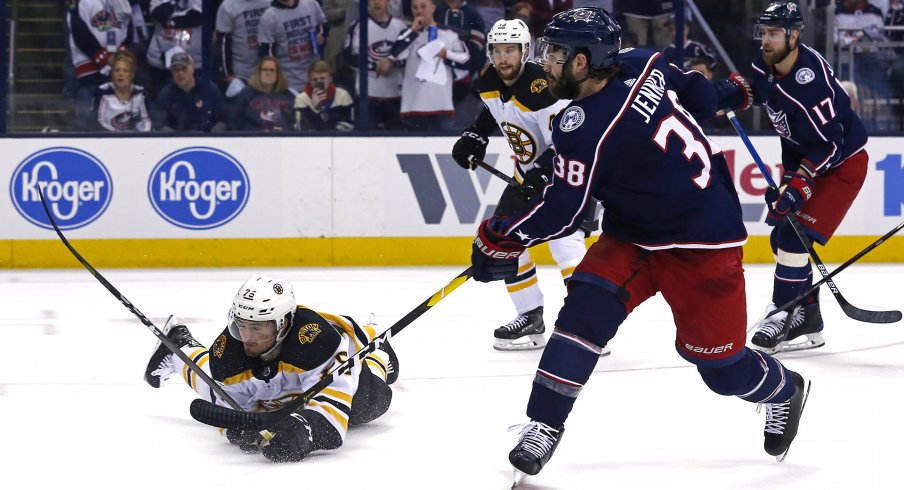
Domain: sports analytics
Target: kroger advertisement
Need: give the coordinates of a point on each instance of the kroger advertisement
(147, 188)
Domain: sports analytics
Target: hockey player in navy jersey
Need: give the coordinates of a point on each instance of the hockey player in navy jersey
(516, 101)
(823, 159)
(672, 225)
(271, 352)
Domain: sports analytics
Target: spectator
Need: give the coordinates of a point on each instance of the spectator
(323, 106)
(98, 29)
(693, 50)
(490, 10)
(266, 103)
(292, 31)
(895, 17)
(335, 11)
(396, 9)
(185, 105)
(700, 64)
(236, 38)
(384, 76)
(427, 85)
(178, 25)
(119, 105)
(857, 20)
(644, 16)
(542, 13)
(858, 23)
(467, 23)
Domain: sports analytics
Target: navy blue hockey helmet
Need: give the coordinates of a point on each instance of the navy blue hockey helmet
(591, 28)
(785, 15)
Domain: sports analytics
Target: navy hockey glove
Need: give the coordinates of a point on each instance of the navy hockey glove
(494, 256)
(734, 92)
(796, 189)
(248, 441)
(292, 441)
(470, 147)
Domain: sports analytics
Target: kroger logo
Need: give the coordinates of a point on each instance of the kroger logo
(198, 188)
(76, 185)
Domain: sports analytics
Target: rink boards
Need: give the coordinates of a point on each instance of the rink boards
(321, 201)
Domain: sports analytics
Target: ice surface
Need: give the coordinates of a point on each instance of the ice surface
(75, 410)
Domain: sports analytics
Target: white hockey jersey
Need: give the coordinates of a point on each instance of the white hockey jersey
(98, 28)
(380, 38)
(523, 112)
(117, 115)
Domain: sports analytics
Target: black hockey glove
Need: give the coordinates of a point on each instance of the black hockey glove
(247, 440)
(292, 441)
(469, 148)
(534, 181)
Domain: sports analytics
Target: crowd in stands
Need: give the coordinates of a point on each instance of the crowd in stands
(292, 65)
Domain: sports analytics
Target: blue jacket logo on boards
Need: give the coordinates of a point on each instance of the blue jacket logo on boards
(198, 188)
(77, 186)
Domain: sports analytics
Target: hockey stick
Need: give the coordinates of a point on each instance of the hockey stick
(508, 179)
(859, 314)
(128, 304)
(218, 416)
(889, 316)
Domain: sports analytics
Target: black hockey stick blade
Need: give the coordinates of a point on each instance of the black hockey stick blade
(128, 304)
(869, 316)
(217, 416)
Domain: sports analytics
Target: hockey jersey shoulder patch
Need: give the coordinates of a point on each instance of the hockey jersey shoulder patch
(311, 342)
(227, 357)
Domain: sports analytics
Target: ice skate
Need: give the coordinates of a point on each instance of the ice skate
(525, 332)
(781, 332)
(536, 444)
(783, 419)
(161, 367)
(392, 369)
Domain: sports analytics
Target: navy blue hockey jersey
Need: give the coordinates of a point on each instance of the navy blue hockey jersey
(640, 151)
(810, 111)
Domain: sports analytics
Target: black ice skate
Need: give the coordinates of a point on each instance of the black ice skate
(525, 332)
(782, 332)
(161, 367)
(392, 369)
(535, 446)
(783, 419)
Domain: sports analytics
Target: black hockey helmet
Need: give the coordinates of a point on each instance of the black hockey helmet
(785, 15)
(590, 28)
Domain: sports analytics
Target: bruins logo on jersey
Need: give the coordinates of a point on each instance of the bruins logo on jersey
(522, 142)
(308, 333)
(219, 346)
(538, 85)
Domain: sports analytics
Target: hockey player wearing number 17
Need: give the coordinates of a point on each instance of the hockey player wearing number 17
(270, 353)
(517, 101)
(823, 158)
(672, 225)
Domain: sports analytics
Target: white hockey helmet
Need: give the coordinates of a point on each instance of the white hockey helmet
(264, 298)
(510, 32)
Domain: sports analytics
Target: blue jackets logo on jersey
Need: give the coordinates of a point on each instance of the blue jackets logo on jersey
(572, 119)
(198, 188)
(77, 186)
(804, 76)
(780, 121)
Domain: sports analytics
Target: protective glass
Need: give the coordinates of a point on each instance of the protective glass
(554, 52)
(251, 330)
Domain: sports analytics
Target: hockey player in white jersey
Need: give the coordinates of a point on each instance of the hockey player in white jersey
(516, 99)
(271, 352)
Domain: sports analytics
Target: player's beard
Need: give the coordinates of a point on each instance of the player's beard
(777, 55)
(563, 86)
(511, 73)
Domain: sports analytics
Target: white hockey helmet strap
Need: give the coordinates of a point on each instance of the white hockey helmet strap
(510, 32)
(262, 298)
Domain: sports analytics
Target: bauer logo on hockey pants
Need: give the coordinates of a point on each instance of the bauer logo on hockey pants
(198, 188)
(75, 183)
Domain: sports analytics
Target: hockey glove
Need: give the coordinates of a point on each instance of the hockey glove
(292, 441)
(796, 189)
(734, 92)
(471, 147)
(494, 256)
(534, 182)
(248, 441)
